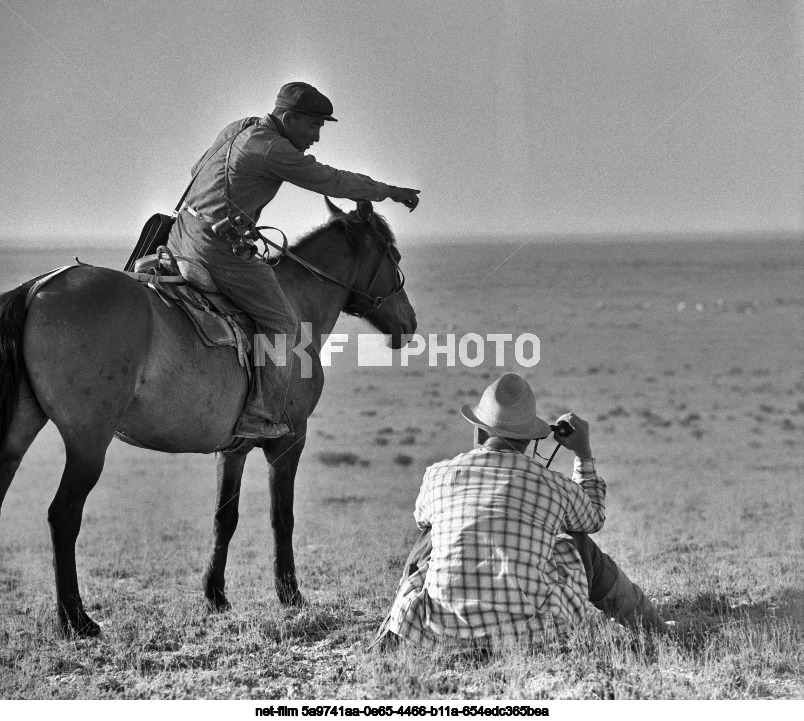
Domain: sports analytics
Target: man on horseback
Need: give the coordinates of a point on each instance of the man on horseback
(234, 180)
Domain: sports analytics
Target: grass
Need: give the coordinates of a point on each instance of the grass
(334, 458)
(161, 644)
(704, 509)
(140, 573)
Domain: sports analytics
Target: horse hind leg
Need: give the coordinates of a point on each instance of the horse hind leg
(83, 467)
(230, 473)
(28, 419)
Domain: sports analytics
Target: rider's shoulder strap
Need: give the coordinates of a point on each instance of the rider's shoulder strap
(248, 122)
(245, 123)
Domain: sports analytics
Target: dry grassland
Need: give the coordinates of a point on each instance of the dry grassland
(686, 358)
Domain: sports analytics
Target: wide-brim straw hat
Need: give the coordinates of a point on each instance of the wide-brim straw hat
(508, 409)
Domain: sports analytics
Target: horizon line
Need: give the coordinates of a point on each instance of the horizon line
(114, 242)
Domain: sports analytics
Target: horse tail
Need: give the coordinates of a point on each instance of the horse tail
(12, 364)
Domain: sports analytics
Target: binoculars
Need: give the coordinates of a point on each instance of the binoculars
(562, 429)
(237, 231)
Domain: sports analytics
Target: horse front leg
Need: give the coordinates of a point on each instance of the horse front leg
(283, 458)
(230, 473)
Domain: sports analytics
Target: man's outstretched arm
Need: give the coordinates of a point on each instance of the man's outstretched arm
(289, 164)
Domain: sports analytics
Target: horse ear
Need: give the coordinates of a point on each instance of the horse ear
(333, 209)
(365, 211)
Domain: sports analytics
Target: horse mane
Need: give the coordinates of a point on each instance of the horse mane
(357, 231)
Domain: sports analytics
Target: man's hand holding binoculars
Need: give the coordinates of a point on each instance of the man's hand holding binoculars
(572, 432)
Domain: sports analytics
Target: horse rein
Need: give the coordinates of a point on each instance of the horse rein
(349, 308)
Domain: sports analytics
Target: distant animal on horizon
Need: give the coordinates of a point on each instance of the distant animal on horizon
(97, 352)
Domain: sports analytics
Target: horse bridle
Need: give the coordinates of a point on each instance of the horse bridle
(351, 307)
(376, 301)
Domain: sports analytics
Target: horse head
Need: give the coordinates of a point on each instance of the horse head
(377, 286)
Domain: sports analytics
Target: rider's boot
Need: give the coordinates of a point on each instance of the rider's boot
(250, 425)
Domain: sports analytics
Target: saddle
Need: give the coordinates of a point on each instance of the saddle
(186, 283)
(164, 264)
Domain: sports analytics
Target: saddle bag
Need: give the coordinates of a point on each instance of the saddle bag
(155, 232)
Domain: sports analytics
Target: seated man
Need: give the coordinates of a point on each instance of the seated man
(496, 566)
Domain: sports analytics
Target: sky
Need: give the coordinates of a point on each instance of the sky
(526, 118)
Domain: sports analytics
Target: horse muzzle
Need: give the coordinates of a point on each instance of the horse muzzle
(401, 337)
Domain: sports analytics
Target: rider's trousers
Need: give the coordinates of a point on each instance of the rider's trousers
(252, 286)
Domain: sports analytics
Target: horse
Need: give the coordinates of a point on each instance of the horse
(98, 353)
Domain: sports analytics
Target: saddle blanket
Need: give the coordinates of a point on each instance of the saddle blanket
(216, 320)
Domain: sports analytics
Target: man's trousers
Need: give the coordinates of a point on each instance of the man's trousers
(252, 286)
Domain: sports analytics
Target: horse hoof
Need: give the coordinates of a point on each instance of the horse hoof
(89, 629)
(296, 599)
(217, 603)
(82, 627)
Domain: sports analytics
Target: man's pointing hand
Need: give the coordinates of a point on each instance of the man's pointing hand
(407, 196)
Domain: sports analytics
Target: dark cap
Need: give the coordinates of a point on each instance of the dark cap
(304, 98)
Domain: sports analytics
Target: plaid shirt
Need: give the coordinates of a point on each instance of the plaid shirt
(497, 566)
